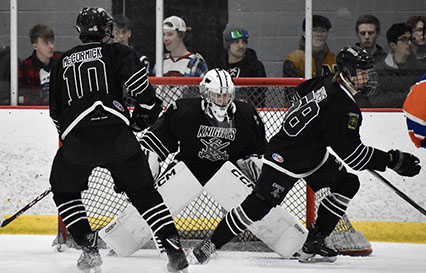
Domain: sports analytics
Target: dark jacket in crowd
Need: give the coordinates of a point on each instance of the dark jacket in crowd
(394, 82)
(249, 66)
(379, 55)
(5, 76)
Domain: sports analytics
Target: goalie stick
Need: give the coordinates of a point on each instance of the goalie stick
(27, 207)
(397, 191)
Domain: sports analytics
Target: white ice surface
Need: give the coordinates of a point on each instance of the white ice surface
(33, 253)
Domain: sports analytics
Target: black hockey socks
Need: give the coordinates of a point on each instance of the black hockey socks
(74, 216)
(252, 209)
(160, 221)
(330, 211)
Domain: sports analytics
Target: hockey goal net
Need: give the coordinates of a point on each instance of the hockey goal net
(271, 97)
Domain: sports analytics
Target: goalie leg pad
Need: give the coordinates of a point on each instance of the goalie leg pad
(280, 230)
(229, 186)
(129, 231)
(178, 187)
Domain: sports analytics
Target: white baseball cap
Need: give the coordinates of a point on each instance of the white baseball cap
(177, 23)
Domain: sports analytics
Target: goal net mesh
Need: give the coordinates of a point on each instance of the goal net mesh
(198, 220)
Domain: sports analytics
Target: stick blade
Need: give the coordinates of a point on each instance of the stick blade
(2, 221)
(5, 221)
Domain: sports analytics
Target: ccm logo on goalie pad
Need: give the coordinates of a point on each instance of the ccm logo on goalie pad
(238, 174)
(164, 178)
(111, 227)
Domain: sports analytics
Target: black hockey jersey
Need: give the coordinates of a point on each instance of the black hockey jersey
(86, 86)
(326, 115)
(203, 147)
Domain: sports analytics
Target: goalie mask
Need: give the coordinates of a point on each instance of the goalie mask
(357, 68)
(94, 24)
(217, 91)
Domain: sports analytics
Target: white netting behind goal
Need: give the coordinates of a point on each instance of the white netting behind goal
(271, 97)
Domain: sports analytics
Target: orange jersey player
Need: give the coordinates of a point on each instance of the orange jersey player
(415, 111)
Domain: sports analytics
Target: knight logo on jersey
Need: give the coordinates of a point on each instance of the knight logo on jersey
(353, 121)
(277, 158)
(118, 105)
(213, 150)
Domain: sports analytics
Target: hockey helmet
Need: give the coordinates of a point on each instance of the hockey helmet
(94, 23)
(354, 62)
(218, 91)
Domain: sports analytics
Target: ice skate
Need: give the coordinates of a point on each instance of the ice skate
(315, 250)
(175, 254)
(90, 260)
(203, 251)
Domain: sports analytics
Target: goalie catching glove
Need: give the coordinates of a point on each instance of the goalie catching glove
(251, 166)
(404, 164)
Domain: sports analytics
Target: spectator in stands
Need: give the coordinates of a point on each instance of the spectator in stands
(323, 61)
(179, 61)
(367, 28)
(416, 24)
(398, 71)
(4, 75)
(34, 72)
(241, 61)
(123, 33)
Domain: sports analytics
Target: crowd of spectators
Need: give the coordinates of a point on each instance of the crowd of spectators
(397, 69)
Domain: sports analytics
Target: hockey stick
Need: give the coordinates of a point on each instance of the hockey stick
(397, 191)
(5, 222)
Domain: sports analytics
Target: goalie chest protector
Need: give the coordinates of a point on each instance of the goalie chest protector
(203, 147)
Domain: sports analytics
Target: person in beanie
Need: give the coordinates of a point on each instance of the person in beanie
(323, 61)
(241, 61)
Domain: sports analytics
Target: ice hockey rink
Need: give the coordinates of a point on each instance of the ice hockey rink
(34, 253)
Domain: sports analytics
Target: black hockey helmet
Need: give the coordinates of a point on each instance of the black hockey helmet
(354, 57)
(94, 24)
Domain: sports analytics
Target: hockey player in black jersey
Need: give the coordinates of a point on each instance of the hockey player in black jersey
(325, 115)
(208, 131)
(87, 106)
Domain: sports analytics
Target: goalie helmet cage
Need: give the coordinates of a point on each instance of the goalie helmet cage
(271, 97)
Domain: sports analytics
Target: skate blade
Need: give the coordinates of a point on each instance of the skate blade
(180, 271)
(313, 258)
(190, 257)
(92, 270)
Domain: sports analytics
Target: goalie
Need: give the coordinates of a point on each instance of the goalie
(211, 134)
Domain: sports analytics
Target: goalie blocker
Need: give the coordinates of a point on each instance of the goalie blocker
(280, 230)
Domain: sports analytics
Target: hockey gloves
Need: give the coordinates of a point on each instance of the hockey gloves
(143, 118)
(404, 164)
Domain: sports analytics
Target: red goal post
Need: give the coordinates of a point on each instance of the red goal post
(271, 97)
